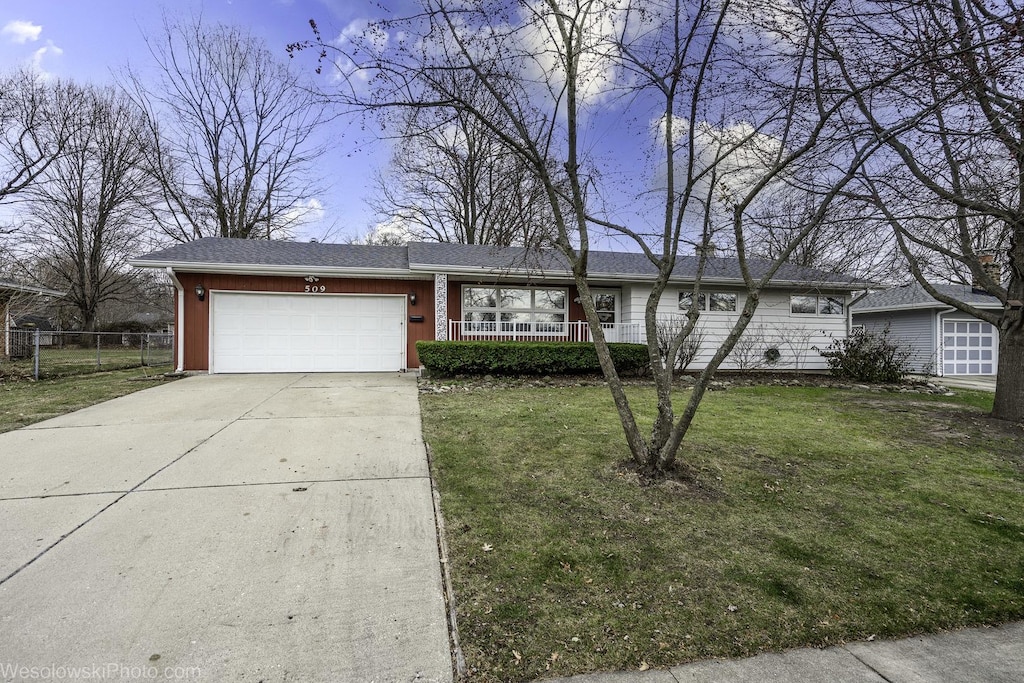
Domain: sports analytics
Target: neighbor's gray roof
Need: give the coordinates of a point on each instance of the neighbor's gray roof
(914, 296)
(7, 285)
(237, 255)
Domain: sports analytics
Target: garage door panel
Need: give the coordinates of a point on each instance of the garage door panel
(306, 333)
(969, 348)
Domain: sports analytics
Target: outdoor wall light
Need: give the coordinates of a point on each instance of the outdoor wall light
(412, 298)
(201, 292)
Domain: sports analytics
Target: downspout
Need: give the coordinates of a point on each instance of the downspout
(179, 328)
(853, 301)
(940, 344)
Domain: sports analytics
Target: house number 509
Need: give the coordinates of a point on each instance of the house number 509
(315, 289)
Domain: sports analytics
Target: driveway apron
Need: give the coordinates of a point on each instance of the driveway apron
(224, 527)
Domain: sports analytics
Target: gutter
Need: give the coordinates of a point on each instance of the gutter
(179, 329)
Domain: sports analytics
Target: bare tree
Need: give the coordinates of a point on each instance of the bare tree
(87, 212)
(452, 180)
(668, 328)
(849, 240)
(754, 350)
(797, 341)
(233, 134)
(951, 187)
(552, 67)
(33, 128)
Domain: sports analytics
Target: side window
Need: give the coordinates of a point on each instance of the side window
(723, 302)
(686, 301)
(830, 305)
(803, 305)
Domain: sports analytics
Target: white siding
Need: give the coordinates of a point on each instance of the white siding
(773, 325)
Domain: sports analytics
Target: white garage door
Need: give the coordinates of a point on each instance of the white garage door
(306, 333)
(969, 348)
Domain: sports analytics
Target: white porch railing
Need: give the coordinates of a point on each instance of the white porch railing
(578, 331)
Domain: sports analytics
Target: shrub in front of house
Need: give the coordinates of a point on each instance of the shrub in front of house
(867, 357)
(526, 358)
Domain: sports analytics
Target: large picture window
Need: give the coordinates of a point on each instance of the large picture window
(514, 309)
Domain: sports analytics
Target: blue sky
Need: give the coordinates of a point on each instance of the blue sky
(91, 40)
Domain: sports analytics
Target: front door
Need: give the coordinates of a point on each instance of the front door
(606, 301)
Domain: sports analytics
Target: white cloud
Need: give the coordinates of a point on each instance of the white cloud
(43, 55)
(358, 30)
(728, 161)
(310, 211)
(393, 231)
(754, 25)
(21, 32)
(600, 30)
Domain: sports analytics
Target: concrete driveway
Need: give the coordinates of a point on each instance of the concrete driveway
(227, 527)
(977, 382)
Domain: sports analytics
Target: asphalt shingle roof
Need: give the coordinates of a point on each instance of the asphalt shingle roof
(427, 257)
(604, 263)
(225, 250)
(915, 296)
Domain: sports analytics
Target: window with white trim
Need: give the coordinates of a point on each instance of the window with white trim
(810, 304)
(710, 301)
(532, 310)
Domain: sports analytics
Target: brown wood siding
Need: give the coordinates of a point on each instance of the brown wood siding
(196, 329)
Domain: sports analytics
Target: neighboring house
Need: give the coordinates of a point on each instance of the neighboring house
(33, 323)
(942, 340)
(11, 345)
(268, 306)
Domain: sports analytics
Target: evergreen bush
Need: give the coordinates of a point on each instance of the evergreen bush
(526, 358)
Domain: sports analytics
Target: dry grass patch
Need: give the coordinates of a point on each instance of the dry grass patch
(24, 402)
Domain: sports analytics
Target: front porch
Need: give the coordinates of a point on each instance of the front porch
(574, 331)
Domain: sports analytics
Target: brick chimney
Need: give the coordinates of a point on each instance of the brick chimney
(990, 265)
(706, 249)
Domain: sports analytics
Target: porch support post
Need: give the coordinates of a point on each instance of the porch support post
(441, 306)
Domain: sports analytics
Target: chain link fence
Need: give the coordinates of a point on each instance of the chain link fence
(41, 353)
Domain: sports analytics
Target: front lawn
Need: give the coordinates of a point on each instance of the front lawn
(23, 401)
(820, 516)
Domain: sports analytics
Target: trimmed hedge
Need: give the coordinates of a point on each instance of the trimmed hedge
(526, 358)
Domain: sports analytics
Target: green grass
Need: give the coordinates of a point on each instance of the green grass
(821, 516)
(23, 402)
(72, 360)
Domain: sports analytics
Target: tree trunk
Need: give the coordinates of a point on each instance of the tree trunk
(1009, 402)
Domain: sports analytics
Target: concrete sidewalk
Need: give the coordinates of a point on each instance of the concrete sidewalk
(979, 655)
(247, 528)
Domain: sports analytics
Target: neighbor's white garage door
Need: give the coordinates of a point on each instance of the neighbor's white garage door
(306, 333)
(969, 347)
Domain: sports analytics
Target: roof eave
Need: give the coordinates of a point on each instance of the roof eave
(29, 289)
(923, 306)
(282, 270)
(477, 271)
